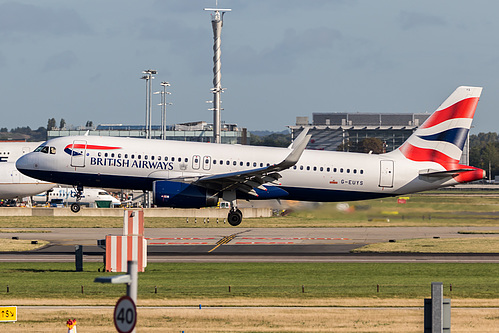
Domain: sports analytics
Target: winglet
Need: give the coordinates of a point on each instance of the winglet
(299, 138)
(298, 146)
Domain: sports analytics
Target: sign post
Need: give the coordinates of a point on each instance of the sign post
(125, 311)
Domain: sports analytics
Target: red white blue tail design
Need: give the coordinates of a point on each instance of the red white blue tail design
(442, 136)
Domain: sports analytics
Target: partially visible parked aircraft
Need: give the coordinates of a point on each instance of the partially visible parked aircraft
(67, 196)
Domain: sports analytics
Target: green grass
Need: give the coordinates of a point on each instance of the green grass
(420, 210)
(254, 280)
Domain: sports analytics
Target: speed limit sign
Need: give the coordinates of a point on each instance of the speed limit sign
(125, 315)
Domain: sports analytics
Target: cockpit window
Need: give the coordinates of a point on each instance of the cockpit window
(45, 150)
(52, 150)
(39, 148)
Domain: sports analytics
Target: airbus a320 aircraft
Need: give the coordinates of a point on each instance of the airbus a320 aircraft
(189, 174)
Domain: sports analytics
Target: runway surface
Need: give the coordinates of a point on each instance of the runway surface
(247, 245)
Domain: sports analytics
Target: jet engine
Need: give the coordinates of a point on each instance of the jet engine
(181, 195)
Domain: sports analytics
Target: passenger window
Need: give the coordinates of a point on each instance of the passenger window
(301, 167)
(166, 159)
(180, 159)
(348, 170)
(341, 170)
(261, 165)
(354, 170)
(294, 167)
(146, 157)
(328, 169)
(361, 172)
(228, 162)
(105, 154)
(254, 164)
(241, 163)
(234, 163)
(126, 155)
(112, 155)
(186, 160)
(98, 154)
(315, 168)
(214, 161)
(247, 163)
(152, 157)
(139, 157)
(321, 169)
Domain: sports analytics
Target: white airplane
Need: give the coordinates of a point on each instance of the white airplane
(190, 174)
(68, 196)
(14, 184)
(10, 151)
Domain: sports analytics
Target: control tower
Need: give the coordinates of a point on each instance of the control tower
(217, 23)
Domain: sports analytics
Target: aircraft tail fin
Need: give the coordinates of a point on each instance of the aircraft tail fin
(442, 136)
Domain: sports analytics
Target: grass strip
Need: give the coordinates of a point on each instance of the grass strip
(23, 231)
(7, 245)
(447, 209)
(435, 245)
(304, 281)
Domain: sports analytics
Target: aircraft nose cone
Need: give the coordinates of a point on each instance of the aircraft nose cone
(26, 163)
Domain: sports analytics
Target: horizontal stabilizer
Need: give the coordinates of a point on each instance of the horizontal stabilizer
(442, 174)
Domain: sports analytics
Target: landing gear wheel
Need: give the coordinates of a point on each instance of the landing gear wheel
(235, 218)
(75, 207)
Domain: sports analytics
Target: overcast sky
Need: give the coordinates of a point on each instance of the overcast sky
(82, 60)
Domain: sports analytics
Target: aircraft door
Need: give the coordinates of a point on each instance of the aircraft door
(16, 177)
(78, 152)
(386, 174)
(196, 162)
(207, 162)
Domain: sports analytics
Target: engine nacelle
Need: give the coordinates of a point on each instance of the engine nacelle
(181, 195)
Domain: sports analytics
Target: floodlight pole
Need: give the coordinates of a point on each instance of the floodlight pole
(217, 23)
(148, 77)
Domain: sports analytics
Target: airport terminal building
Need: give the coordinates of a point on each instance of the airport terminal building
(199, 131)
(331, 131)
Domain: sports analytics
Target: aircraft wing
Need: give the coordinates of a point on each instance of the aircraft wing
(247, 180)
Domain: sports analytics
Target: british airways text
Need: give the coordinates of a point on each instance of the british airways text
(118, 162)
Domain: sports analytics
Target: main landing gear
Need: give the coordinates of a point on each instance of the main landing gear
(75, 207)
(235, 217)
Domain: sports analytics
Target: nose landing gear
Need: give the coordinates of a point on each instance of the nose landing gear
(75, 207)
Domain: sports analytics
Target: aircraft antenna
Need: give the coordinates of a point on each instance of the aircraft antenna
(217, 23)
